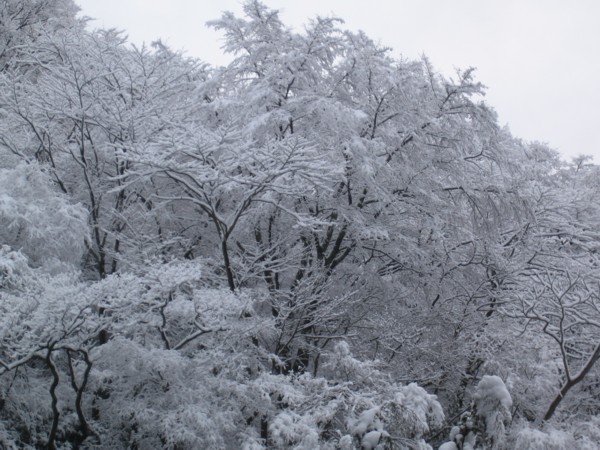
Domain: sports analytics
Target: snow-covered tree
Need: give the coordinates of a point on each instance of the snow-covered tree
(316, 246)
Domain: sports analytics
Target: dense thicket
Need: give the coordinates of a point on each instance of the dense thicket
(317, 246)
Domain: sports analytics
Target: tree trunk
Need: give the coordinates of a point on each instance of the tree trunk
(572, 382)
(227, 264)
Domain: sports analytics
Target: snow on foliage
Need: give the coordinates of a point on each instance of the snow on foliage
(490, 395)
(290, 430)
(492, 405)
(533, 439)
(40, 222)
(13, 268)
(420, 408)
(448, 446)
(485, 424)
(402, 412)
(584, 435)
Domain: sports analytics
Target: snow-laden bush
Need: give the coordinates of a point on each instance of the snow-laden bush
(533, 439)
(40, 222)
(492, 406)
(382, 412)
(559, 436)
(484, 426)
(14, 268)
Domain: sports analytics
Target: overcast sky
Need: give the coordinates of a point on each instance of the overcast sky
(540, 59)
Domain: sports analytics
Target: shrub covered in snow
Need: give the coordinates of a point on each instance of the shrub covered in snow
(484, 426)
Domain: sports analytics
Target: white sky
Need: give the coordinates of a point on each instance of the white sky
(539, 58)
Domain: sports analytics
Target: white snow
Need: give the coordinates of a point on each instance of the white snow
(371, 440)
(491, 391)
(448, 446)
(364, 421)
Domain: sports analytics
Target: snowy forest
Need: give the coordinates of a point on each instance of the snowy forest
(318, 246)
